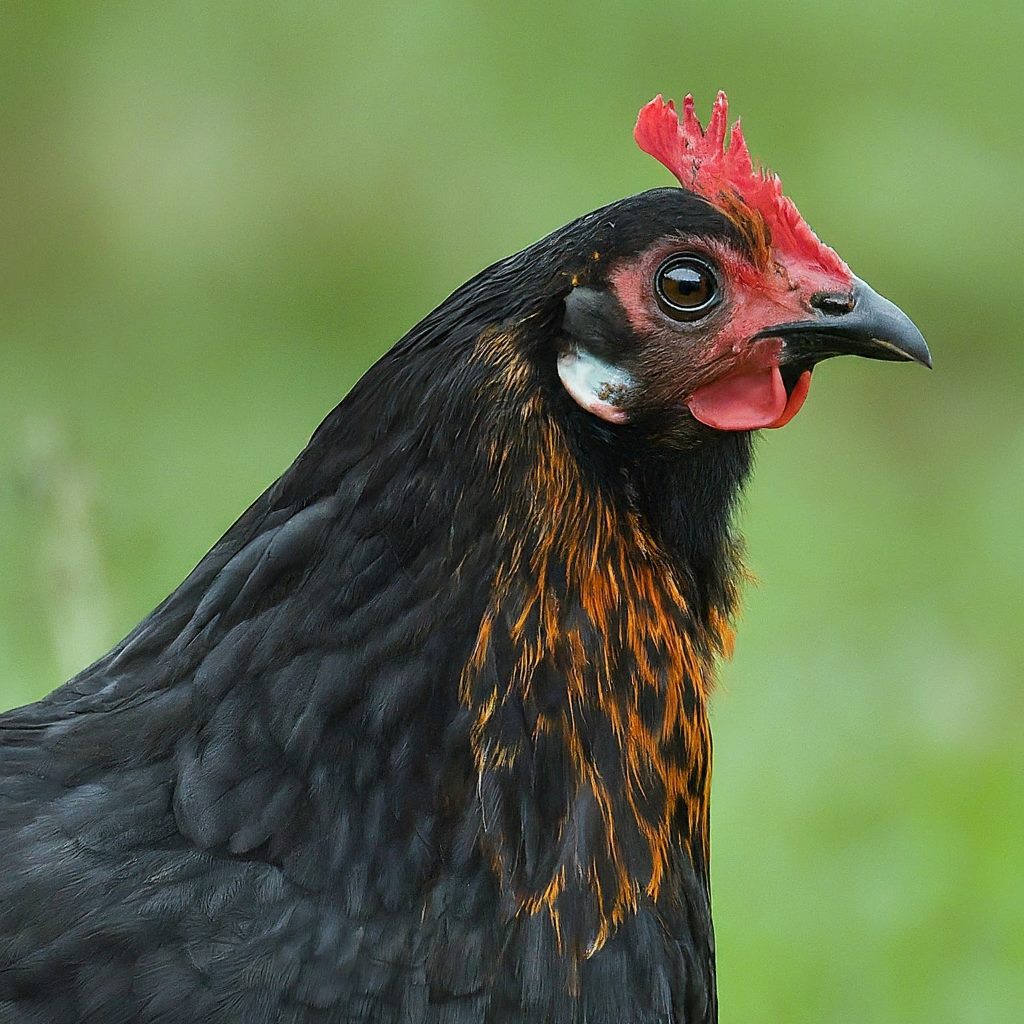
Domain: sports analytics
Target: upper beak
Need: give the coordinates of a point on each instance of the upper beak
(860, 323)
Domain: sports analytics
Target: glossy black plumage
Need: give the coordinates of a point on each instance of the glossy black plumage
(277, 798)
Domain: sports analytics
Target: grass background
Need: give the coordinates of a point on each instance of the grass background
(215, 216)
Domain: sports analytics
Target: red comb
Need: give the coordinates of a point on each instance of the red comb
(698, 157)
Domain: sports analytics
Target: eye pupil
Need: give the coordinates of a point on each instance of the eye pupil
(686, 287)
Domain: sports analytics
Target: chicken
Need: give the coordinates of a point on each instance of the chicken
(424, 737)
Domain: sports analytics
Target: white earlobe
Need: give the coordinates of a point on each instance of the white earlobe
(595, 385)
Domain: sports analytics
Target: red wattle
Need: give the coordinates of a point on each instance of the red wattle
(796, 399)
(749, 401)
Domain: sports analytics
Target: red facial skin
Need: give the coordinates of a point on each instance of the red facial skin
(728, 380)
(677, 359)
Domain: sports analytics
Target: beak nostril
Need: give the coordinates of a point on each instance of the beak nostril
(833, 303)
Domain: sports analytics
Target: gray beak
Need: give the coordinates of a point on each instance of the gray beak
(857, 323)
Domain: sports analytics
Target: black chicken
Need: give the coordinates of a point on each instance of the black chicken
(424, 737)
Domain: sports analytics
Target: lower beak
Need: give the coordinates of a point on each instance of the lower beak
(861, 323)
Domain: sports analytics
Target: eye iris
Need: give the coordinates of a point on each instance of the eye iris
(686, 286)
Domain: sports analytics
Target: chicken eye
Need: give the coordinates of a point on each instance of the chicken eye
(686, 287)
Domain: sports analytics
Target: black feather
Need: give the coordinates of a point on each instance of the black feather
(270, 802)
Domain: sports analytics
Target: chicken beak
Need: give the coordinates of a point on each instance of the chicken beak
(858, 323)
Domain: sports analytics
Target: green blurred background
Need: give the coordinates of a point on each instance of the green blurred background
(213, 217)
